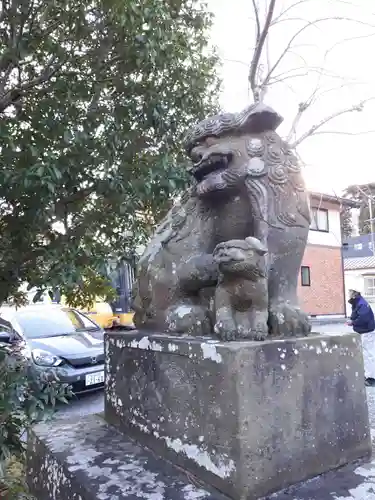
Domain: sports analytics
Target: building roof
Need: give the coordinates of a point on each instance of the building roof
(358, 246)
(334, 199)
(368, 186)
(359, 263)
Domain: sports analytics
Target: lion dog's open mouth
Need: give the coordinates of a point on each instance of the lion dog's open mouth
(212, 163)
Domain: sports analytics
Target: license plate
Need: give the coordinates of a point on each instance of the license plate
(95, 378)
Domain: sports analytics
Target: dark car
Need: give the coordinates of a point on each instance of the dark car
(60, 339)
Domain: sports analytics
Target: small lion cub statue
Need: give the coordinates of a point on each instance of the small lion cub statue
(241, 299)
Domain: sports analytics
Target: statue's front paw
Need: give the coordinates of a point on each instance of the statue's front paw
(226, 330)
(258, 333)
(286, 320)
(189, 319)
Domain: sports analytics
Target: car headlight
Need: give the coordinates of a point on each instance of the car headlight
(45, 358)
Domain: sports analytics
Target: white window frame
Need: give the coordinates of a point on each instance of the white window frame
(369, 286)
(307, 275)
(316, 219)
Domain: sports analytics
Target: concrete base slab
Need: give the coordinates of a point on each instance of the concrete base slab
(352, 482)
(249, 418)
(90, 460)
(80, 461)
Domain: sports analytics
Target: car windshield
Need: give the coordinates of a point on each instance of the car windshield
(49, 323)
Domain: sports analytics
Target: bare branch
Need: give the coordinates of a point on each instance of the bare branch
(314, 96)
(256, 13)
(303, 106)
(269, 77)
(342, 132)
(317, 95)
(312, 130)
(258, 51)
(318, 69)
(285, 76)
(236, 61)
(301, 109)
(298, 33)
(278, 18)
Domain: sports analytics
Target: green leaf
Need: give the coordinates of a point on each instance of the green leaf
(63, 399)
(95, 151)
(67, 136)
(22, 402)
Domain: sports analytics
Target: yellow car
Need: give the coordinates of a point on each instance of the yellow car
(102, 314)
(124, 320)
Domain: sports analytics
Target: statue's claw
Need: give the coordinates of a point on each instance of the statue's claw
(226, 330)
(286, 320)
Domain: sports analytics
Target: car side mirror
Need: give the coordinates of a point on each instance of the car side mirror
(5, 337)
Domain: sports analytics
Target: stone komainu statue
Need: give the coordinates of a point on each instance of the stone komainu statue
(246, 182)
(241, 297)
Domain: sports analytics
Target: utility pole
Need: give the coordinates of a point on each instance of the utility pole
(371, 225)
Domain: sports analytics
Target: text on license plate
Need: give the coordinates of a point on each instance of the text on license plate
(95, 378)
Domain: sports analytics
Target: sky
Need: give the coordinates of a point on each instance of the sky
(333, 59)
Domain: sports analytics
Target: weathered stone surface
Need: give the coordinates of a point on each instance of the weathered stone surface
(90, 460)
(246, 182)
(241, 298)
(249, 418)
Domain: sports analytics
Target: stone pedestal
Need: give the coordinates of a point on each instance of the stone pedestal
(247, 418)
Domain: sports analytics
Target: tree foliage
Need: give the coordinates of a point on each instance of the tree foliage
(363, 194)
(346, 222)
(94, 98)
(25, 398)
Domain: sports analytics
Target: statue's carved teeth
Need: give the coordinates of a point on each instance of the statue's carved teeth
(208, 165)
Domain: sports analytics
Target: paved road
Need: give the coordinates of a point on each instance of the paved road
(332, 328)
(84, 405)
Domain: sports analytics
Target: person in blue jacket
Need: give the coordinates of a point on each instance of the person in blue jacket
(362, 318)
(362, 321)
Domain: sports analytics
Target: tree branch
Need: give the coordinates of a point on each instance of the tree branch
(256, 13)
(13, 95)
(259, 49)
(342, 132)
(314, 128)
(301, 30)
(280, 77)
(278, 18)
(302, 107)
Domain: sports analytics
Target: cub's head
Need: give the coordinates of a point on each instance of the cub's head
(241, 257)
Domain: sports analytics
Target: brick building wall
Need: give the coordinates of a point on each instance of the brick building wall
(325, 295)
